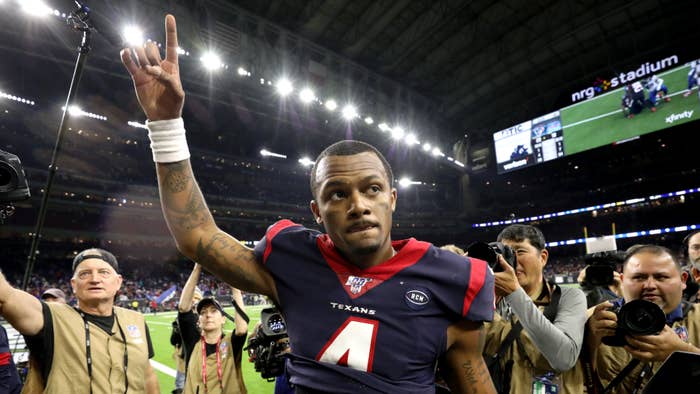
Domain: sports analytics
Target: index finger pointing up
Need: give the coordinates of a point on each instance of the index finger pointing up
(170, 39)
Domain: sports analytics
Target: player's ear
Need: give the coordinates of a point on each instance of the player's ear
(316, 211)
(394, 196)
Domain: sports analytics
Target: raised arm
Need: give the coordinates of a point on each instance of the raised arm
(241, 324)
(185, 303)
(466, 370)
(21, 309)
(160, 93)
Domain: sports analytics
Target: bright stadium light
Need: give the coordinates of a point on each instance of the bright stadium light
(437, 152)
(132, 35)
(331, 105)
(35, 8)
(406, 182)
(74, 110)
(265, 152)
(426, 147)
(306, 162)
(284, 87)
(369, 120)
(397, 132)
(306, 95)
(211, 61)
(384, 127)
(242, 72)
(349, 112)
(411, 139)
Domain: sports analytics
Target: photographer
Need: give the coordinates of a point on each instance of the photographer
(213, 359)
(650, 273)
(536, 336)
(691, 250)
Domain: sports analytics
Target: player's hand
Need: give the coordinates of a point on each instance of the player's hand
(603, 321)
(157, 81)
(655, 347)
(505, 282)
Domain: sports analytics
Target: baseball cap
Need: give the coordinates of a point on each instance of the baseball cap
(53, 292)
(209, 301)
(96, 253)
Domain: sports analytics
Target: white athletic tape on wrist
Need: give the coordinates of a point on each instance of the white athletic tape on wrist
(168, 142)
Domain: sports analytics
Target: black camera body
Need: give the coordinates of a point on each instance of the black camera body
(13, 182)
(635, 318)
(489, 252)
(267, 347)
(600, 267)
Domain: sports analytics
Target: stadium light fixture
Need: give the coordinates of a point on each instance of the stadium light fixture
(265, 152)
(306, 95)
(406, 182)
(306, 162)
(182, 51)
(427, 147)
(242, 72)
(284, 87)
(16, 98)
(411, 139)
(369, 120)
(36, 8)
(132, 35)
(384, 127)
(349, 112)
(437, 152)
(397, 132)
(74, 110)
(138, 125)
(211, 61)
(331, 105)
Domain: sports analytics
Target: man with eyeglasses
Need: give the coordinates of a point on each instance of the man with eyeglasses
(93, 347)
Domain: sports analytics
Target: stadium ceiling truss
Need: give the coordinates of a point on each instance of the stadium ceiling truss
(484, 64)
(450, 67)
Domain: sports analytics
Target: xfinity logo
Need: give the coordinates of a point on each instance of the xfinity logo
(601, 85)
(683, 115)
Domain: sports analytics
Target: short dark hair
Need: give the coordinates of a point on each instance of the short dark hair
(521, 232)
(656, 250)
(347, 148)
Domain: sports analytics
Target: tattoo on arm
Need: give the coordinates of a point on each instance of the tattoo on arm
(183, 214)
(227, 258)
(476, 372)
(178, 178)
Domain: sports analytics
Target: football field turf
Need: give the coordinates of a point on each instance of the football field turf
(160, 327)
(599, 121)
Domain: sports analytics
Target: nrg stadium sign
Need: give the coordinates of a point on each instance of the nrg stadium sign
(601, 85)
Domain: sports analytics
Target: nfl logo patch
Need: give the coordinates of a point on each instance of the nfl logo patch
(356, 283)
(223, 348)
(682, 333)
(133, 331)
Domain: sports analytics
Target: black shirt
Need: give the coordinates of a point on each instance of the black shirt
(42, 343)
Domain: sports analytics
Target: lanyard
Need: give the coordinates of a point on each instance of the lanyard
(219, 374)
(88, 352)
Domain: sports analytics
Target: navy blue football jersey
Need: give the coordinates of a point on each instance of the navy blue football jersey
(380, 329)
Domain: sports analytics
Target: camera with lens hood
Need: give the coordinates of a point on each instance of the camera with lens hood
(635, 318)
(489, 252)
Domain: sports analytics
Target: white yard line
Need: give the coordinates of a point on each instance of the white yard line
(163, 368)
